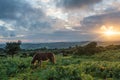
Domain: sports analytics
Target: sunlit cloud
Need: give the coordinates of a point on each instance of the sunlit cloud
(46, 1)
(69, 28)
(56, 13)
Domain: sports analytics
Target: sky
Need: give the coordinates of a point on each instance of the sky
(58, 20)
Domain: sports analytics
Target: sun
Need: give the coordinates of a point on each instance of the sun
(109, 31)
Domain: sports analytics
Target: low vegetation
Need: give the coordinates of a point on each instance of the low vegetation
(66, 68)
(74, 65)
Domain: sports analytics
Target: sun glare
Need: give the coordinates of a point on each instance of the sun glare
(109, 31)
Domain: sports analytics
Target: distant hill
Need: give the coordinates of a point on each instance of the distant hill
(106, 43)
(48, 45)
(61, 44)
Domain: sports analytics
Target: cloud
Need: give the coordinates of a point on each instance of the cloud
(76, 4)
(19, 17)
(59, 36)
(96, 21)
(55, 20)
(9, 8)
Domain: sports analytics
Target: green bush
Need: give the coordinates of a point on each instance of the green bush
(108, 55)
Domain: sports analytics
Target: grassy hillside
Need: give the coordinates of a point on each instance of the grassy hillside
(66, 68)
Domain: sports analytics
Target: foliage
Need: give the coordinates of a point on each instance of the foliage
(110, 55)
(104, 64)
(12, 47)
(66, 68)
(89, 49)
(92, 48)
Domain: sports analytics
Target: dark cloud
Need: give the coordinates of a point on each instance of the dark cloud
(70, 4)
(24, 16)
(9, 8)
(96, 21)
(19, 10)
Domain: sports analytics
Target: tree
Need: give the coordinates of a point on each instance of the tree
(91, 45)
(78, 50)
(90, 48)
(12, 48)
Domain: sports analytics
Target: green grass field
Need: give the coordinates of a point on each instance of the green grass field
(103, 66)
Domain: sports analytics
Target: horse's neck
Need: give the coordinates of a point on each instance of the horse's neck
(34, 58)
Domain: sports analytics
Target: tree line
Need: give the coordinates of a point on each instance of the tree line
(91, 48)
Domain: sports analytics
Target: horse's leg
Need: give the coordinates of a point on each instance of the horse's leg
(40, 62)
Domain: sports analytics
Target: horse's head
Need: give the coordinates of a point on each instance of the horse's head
(34, 58)
(32, 62)
(51, 56)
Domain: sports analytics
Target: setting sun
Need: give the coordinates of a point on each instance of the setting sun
(109, 31)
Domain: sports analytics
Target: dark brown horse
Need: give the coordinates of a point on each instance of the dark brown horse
(43, 57)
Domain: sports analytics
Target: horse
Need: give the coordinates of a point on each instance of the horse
(43, 57)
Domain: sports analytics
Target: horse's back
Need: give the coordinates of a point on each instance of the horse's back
(44, 56)
(50, 54)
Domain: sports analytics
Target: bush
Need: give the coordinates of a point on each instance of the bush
(111, 55)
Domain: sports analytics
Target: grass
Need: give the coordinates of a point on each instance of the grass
(66, 68)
